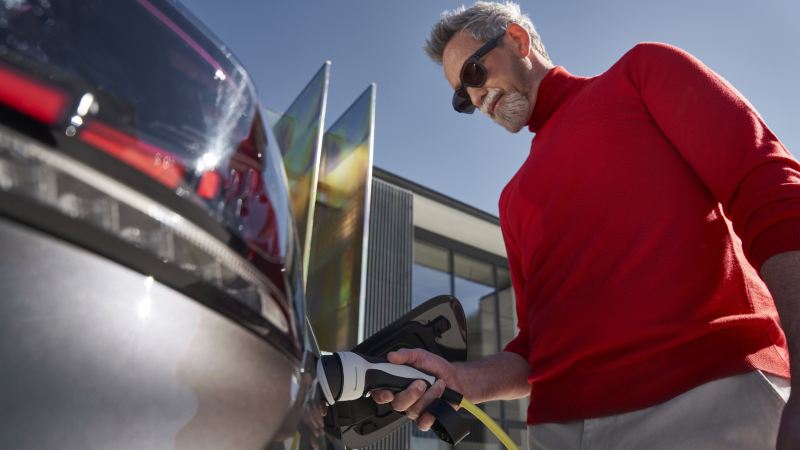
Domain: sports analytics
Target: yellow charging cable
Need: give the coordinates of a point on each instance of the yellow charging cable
(489, 423)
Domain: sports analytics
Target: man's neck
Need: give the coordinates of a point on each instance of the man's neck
(538, 70)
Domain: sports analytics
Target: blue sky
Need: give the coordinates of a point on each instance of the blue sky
(753, 44)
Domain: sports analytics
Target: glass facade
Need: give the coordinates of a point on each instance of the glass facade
(482, 283)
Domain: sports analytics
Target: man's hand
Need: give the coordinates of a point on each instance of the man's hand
(503, 376)
(789, 433)
(416, 398)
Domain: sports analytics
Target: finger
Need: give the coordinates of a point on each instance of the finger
(382, 396)
(426, 422)
(409, 356)
(417, 410)
(403, 400)
(420, 359)
(318, 420)
(399, 356)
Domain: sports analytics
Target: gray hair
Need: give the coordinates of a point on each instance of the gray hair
(483, 21)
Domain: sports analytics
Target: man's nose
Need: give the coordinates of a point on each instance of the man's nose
(476, 95)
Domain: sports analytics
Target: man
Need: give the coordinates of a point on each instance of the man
(653, 197)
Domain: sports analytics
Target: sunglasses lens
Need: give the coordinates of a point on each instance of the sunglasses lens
(473, 74)
(462, 102)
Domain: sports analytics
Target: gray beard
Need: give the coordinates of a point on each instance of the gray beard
(512, 113)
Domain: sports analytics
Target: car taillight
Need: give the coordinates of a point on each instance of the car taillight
(140, 155)
(44, 103)
(39, 174)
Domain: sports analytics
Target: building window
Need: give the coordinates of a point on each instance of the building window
(430, 274)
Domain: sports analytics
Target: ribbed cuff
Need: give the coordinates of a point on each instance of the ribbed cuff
(782, 237)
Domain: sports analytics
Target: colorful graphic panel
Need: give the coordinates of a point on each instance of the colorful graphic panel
(299, 135)
(336, 279)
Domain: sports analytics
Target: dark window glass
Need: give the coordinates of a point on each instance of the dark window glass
(508, 312)
(474, 287)
(154, 73)
(515, 410)
(430, 273)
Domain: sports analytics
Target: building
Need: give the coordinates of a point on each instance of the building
(419, 244)
(422, 244)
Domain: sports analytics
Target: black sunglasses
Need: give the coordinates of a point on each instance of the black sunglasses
(473, 74)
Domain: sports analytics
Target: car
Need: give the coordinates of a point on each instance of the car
(152, 284)
(153, 294)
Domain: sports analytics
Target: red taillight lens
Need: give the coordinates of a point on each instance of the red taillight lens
(43, 103)
(210, 183)
(153, 161)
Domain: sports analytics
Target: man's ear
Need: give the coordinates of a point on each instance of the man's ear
(519, 38)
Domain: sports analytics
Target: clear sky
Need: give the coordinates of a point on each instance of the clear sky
(755, 44)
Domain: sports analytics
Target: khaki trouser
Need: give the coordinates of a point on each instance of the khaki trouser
(738, 412)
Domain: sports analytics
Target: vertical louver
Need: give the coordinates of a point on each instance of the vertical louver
(389, 261)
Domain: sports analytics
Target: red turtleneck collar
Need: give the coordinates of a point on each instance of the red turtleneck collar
(556, 87)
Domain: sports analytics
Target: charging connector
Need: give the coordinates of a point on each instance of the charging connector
(348, 376)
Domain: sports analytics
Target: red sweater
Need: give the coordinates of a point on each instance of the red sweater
(629, 229)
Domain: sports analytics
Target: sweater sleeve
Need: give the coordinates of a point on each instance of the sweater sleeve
(520, 344)
(728, 145)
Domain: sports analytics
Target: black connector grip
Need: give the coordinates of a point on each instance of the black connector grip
(449, 426)
(452, 396)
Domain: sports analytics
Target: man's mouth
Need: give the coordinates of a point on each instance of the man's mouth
(493, 106)
(490, 102)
